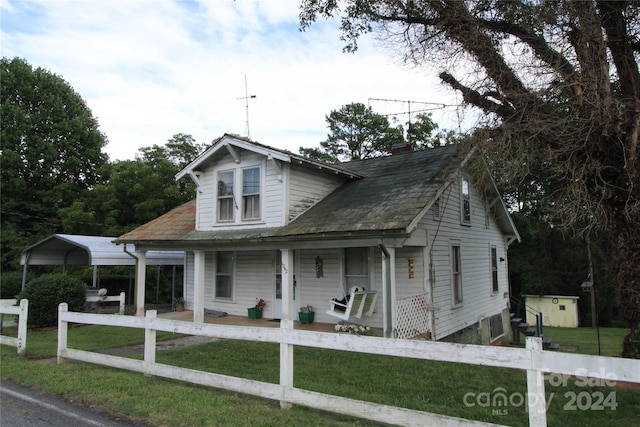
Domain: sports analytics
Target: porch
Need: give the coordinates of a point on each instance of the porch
(187, 316)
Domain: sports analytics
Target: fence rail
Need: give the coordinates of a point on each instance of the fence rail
(119, 298)
(22, 311)
(532, 359)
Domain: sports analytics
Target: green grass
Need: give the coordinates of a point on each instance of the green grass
(417, 384)
(585, 340)
(43, 343)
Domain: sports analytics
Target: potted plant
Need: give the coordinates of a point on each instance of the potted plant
(179, 302)
(256, 311)
(306, 314)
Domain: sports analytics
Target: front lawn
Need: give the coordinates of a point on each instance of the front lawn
(447, 388)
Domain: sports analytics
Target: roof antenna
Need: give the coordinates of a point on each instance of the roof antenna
(246, 98)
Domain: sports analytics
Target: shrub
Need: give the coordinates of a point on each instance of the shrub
(10, 284)
(46, 292)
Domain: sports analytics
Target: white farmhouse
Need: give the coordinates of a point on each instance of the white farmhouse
(411, 227)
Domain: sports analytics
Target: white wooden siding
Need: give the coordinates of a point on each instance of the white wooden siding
(272, 193)
(478, 300)
(307, 188)
(406, 287)
(318, 291)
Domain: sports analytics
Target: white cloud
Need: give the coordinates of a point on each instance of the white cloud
(150, 69)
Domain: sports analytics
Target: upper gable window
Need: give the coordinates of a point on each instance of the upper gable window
(226, 200)
(465, 202)
(251, 193)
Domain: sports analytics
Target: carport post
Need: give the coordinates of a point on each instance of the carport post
(141, 277)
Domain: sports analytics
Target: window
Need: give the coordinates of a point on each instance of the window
(562, 307)
(465, 203)
(226, 199)
(436, 210)
(494, 270)
(356, 271)
(456, 274)
(251, 193)
(224, 276)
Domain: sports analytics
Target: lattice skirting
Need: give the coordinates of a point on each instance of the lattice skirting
(412, 317)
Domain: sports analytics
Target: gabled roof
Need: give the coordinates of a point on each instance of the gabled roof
(230, 144)
(394, 190)
(388, 198)
(67, 249)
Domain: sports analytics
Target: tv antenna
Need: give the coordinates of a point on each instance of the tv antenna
(427, 106)
(246, 98)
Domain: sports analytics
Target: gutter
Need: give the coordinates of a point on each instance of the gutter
(132, 255)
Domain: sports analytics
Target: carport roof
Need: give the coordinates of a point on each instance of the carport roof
(68, 249)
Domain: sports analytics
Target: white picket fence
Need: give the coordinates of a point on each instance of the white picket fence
(119, 298)
(533, 359)
(7, 306)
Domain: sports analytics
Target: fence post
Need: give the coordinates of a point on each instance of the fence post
(536, 398)
(22, 326)
(62, 330)
(150, 339)
(122, 297)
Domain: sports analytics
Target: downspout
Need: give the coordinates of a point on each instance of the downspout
(386, 291)
(132, 255)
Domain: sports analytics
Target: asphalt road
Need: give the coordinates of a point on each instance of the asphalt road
(23, 407)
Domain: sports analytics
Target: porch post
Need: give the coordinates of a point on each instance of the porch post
(286, 323)
(141, 277)
(388, 289)
(198, 286)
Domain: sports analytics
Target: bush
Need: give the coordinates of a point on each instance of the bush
(10, 284)
(46, 292)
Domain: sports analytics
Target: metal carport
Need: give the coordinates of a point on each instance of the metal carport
(68, 249)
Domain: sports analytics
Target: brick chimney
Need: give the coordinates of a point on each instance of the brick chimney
(403, 147)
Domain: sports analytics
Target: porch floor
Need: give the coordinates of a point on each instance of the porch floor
(187, 316)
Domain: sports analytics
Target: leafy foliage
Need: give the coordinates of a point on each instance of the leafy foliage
(558, 84)
(51, 153)
(10, 284)
(356, 132)
(46, 292)
(134, 191)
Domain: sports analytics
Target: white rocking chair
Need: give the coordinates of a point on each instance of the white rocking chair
(358, 304)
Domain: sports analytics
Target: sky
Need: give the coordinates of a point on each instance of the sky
(149, 69)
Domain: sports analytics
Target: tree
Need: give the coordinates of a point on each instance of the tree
(180, 150)
(420, 132)
(135, 191)
(559, 86)
(356, 133)
(359, 133)
(51, 153)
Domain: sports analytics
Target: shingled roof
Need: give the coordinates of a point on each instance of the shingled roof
(390, 194)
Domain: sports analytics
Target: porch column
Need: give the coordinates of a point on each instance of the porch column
(286, 322)
(198, 286)
(388, 289)
(141, 277)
